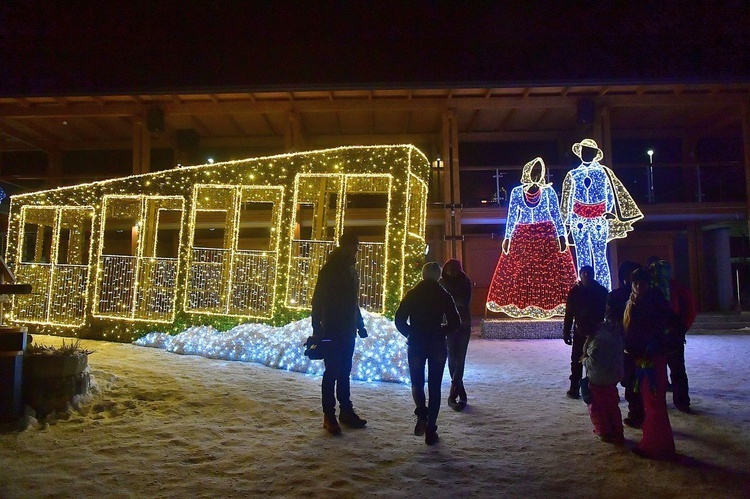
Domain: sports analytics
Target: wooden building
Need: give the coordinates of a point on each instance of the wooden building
(693, 187)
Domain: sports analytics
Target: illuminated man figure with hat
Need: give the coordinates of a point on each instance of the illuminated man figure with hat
(597, 208)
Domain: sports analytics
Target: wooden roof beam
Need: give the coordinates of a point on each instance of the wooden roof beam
(472, 120)
(26, 139)
(504, 122)
(325, 105)
(200, 125)
(539, 119)
(39, 131)
(237, 128)
(269, 124)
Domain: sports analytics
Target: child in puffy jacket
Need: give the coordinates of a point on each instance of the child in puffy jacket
(602, 358)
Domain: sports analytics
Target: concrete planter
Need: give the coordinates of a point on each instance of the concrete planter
(53, 366)
(51, 381)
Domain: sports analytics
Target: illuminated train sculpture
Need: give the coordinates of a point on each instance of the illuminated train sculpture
(243, 239)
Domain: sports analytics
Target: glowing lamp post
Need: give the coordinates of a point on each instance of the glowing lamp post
(651, 196)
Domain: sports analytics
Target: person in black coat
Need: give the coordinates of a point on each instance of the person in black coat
(420, 318)
(454, 281)
(617, 300)
(650, 326)
(336, 316)
(584, 312)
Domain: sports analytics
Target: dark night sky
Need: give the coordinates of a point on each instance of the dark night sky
(101, 47)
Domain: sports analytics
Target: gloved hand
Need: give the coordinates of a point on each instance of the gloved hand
(567, 338)
(362, 332)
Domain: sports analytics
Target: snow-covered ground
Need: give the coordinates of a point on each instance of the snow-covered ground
(164, 425)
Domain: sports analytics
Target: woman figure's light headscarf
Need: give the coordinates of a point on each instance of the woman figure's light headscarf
(528, 168)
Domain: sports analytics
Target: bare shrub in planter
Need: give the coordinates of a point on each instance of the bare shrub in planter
(53, 376)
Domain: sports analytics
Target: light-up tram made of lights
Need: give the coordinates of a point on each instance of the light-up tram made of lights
(242, 238)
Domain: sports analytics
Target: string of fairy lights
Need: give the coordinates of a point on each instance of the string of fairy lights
(59, 273)
(121, 295)
(597, 208)
(535, 270)
(382, 357)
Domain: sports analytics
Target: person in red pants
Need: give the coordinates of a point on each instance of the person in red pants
(602, 358)
(647, 322)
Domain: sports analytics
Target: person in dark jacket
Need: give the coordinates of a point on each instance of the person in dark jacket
(616, 302)
(420, 318)
(584, 311)
(454, 281)
(336, 316)
(683, 305)
(647, 323)
(618, 298)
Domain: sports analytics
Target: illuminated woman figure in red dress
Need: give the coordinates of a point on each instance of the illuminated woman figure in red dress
(535, 270)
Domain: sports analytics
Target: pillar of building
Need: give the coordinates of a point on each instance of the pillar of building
(294, 139)
(746, 146)
(451, 186)
(141, 147)
(603, 136)
(689, 176)
(695, 262)
(54, 168)
(719, 291)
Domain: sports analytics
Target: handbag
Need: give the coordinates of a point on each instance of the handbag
(316, 347)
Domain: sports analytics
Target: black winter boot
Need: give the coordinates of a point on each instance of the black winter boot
(419, 428)
(574, 387)
(461, 397)
(350, 418)
(452, 402)
(431, 436)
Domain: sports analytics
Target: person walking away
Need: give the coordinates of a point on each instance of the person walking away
(648, 317)
(584, 311)
(454, 280)
(419, 317)
(616, 302)
(336, 316)
(681, 300)
(602, 358)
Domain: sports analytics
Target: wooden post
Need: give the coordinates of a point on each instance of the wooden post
(451, 186)
(141, 147)
(746, 147)
(695, 259)
(54, 168)
(294, 139)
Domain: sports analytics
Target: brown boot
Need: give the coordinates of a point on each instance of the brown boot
(331, 424)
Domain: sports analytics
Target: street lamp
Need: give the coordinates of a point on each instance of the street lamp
(651, 196)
